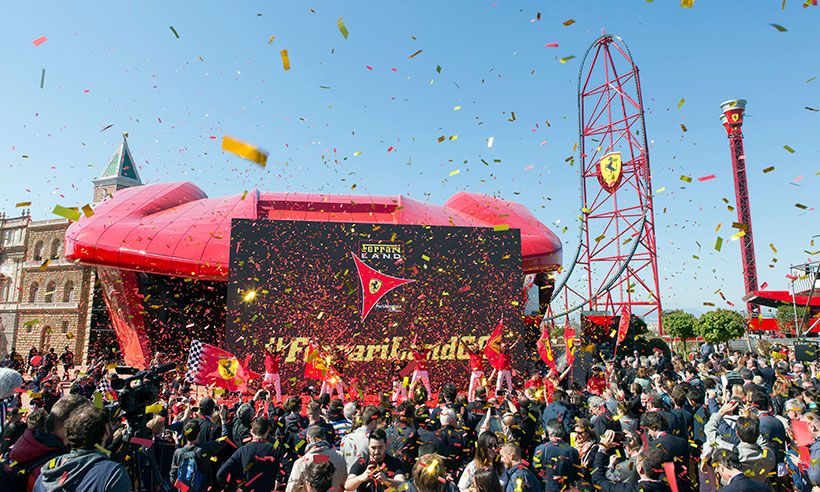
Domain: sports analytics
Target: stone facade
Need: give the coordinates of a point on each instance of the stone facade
(55, 295)
(13, 234)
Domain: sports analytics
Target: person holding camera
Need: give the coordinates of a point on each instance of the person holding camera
(86, 468)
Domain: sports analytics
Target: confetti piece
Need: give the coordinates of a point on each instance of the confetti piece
(768, 169)
(718, 243)
(566, 58)
(661, 189)
(800, 206)
(87, 210)
(490, 142)
(357, 154)
(680, 103)
(244, 150)
(285, 60)
(718, 227)
(811, 109)
(155, 408)
(22, 204)
(569, 22)
(106, 127)
(415, 54)
(551, 45)
(778, 27)
(765, 284)
(100, 448)
(501, 227)
(456, 108)
(68, 213)
(685, 178)
(42, 78)
(438, 68)
(687, 4)
(683, 127)
(174, 31)
(706, 178)
(708, 303)
(453, 173)
(270, 39)
(40, 40)
(342, 28)
(771, 245)
(738, 235)
(788, 149)
(453, 137)
(441, 139)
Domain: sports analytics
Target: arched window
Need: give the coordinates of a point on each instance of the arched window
(38, 251)
(55, 249)
(50, 288)
(68, 291)
(32, 292)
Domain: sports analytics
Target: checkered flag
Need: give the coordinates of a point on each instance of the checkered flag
(194, 360)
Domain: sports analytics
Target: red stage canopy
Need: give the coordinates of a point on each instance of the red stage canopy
(175, 229)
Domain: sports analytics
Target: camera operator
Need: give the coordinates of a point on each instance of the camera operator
(86, 467)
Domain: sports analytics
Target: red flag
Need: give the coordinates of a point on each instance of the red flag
(316, 366)
(669, 471)
(545, 346)
(569, 336)
(623, 324)
(375, 284)
(216, 366)
(493, 348)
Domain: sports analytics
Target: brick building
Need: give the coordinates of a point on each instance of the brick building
(45, 300)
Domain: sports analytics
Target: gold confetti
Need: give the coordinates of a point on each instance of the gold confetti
(456, 108)
(738, 235)
(566, 58)
(22, 204)
(453, 137)
(569, 22)
(687, 4)
(87, 210)
(44, 265)
(415, 54)
(771, 245)
(453, 173)
(69, 213)
(661, 189)
(687, 179)
(800, 206)
(768, 169)
(285, 60)
(244, 150)
(342, 28)
(683, 127)
(718, 243)
(778, 27)
(788, 149)
(680, 103)
(501, 227)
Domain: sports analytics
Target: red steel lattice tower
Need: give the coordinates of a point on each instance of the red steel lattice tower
(616, 256)
(732, 119)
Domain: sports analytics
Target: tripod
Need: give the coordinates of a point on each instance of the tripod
(138, 459)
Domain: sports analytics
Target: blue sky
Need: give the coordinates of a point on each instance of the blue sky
(224, 76)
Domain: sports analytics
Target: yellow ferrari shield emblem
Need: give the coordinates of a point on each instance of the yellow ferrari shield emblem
(375, 285)
(609, 171)
(735, 117)
(228, 368)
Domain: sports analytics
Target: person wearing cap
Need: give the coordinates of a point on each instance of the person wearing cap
(318, 451)
(602, 420)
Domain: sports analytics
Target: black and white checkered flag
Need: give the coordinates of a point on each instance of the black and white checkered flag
(194, 359)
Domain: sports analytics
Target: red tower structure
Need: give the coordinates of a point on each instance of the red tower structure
(732, 119)
(616, 254)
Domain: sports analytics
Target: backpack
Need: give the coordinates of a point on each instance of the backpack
(189, 477)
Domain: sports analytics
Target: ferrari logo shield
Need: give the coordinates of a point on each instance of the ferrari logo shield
(375, 285)
(610, 171)
(735, 117)
(228, 368)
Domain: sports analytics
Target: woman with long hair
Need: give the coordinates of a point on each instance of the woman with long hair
(485, 480)
(486, 456)
(586, 442)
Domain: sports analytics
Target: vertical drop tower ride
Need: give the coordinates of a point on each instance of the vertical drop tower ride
(732, 119)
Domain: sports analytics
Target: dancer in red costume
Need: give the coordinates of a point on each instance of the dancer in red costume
(476, 367)
(273, 357)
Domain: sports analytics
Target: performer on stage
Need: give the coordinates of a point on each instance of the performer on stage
(336, 363)
(476, 367)
(399, 389)
(504, 368)
(272, 359)
(420, 353)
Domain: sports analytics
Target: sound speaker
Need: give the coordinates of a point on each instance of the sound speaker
(806, 353)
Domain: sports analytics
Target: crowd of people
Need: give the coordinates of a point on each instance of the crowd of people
(707, 420)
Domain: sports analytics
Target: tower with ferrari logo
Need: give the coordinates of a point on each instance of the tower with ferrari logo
(615, 271)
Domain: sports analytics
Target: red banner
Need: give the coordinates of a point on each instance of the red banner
(315, 365)
(215, 366)
(493, 349)
(623, 324)
(569, 336)
(545, 346)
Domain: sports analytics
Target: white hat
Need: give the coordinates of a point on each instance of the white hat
(10, 380)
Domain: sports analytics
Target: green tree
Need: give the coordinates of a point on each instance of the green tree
(680, 324)
(721, 325)
(785, 317)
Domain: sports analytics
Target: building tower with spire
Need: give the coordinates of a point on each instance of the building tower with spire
(121, 172)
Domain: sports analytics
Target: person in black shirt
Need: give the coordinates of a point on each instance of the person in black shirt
(255, 465)
(376, 471)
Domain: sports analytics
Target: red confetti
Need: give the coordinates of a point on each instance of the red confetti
(40, 40)
(706, 178)
(551, 45)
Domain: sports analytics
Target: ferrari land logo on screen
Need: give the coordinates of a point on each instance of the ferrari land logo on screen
(375, 284)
